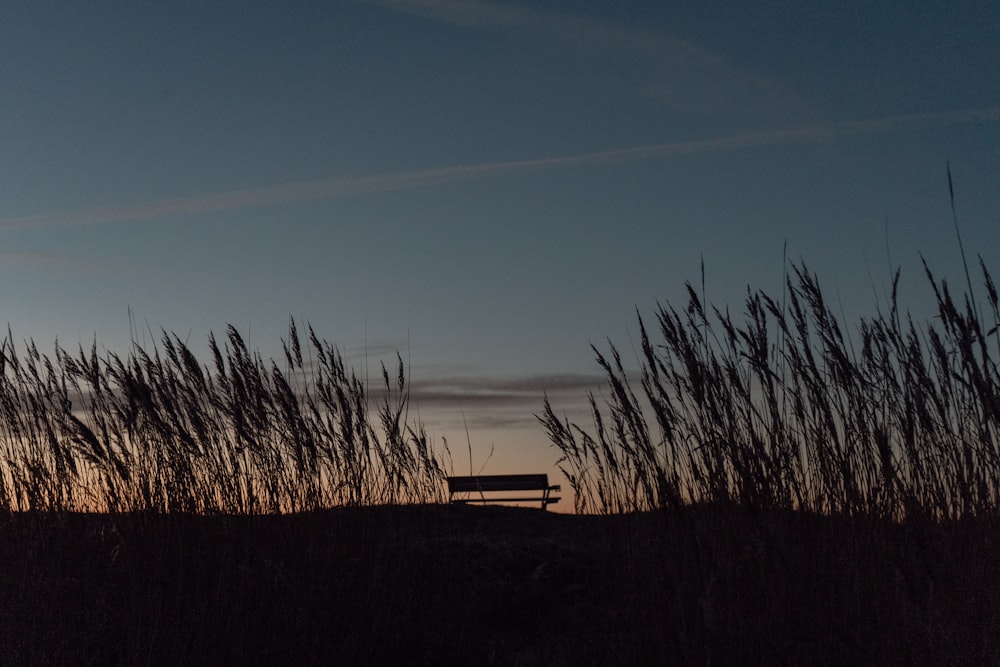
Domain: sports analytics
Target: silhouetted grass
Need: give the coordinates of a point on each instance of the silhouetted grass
(791, 491)
(787, 410)
(771, 492)
(156, 430)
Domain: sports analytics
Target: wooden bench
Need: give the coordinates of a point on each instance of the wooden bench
(483, 484)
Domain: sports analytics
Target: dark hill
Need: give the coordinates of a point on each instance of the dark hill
(439, 585)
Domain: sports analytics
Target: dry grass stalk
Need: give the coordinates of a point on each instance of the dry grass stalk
(787, 411)
(155, 430)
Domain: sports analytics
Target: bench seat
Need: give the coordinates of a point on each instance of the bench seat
(480, 485)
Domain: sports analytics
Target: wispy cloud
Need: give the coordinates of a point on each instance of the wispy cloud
(490, 402)
(469, 13)
(34, 258)
(487, 401)
(42, 261)
(675, 72)
(363, 185)
(508, 390)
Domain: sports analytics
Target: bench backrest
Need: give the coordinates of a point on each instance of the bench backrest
(498, 483)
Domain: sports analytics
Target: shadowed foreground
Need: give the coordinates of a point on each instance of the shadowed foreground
(491, 585)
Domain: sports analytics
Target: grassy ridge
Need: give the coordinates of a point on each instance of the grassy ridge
(451, 585)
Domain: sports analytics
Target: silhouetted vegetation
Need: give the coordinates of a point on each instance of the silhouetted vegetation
(894, 420)
(454, 585)
(158, 431)
(774, 492)
(816, 495)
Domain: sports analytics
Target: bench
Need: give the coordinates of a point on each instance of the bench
(483, 484)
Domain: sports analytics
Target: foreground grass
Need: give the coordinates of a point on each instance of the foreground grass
(155, 429)
(773, 492)
(438, 585)
(790, 408)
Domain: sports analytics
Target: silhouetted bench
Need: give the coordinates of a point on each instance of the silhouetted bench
(483, 484)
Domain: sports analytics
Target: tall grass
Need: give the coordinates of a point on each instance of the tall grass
(156, 430)
(785, 410)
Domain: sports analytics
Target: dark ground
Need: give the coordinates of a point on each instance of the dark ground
(440, 585)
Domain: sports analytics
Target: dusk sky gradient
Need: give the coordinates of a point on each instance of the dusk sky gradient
(486, 187)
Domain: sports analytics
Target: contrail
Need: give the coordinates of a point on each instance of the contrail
(348, 187)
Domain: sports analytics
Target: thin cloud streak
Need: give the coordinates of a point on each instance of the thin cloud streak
(37, 258)
(488, 402)
(398, 181)
(48, 263)
(468, 13)
(503, 390)
(678, 73)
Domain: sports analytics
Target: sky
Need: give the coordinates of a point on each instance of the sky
(487, 187)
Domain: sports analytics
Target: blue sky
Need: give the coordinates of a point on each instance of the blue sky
(487, 187)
